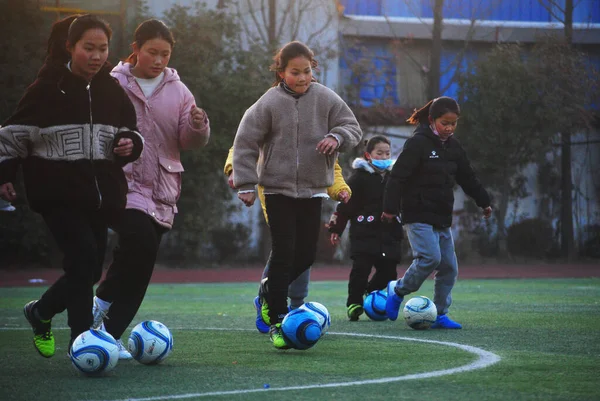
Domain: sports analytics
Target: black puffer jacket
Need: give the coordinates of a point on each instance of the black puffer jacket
(423, 178)
(63, 133)
(368, 235)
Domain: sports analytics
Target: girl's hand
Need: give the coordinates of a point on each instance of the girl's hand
(334, 239)
(487, 212)
(247, 197)
(124, 147)
(344, 196)
(387, 217)
(327, 145)
(7, 192)
(198, 117)
(230, 180)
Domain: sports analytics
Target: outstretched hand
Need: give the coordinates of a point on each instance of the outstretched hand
(247, 197)
(387, 217)
(198, 116)
(344, 196)
(7, 192)
(487, 212)
(230, 181)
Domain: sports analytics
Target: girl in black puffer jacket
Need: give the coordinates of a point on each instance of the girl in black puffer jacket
(372, 244)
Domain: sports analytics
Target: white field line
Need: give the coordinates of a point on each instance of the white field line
(485, 359)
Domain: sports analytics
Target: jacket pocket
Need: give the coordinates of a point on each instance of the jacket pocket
(168, 186)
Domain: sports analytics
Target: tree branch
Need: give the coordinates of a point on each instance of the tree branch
(549, 6)
(287, 12)
(251, 12)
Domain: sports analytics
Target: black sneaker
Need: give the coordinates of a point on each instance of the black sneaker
(43, 339)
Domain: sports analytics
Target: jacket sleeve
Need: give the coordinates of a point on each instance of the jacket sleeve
(343, 125)
(339, 184)
(466, 178)
(346, 211)
(128, 129)
(406, 164)
(228, 168)
(253, 128)
(190, 137)
(16, 134)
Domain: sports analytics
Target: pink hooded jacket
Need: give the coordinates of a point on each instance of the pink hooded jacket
(154, 180)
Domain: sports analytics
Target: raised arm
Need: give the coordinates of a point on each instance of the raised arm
(194, 126)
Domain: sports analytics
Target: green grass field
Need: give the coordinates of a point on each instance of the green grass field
(545, 332)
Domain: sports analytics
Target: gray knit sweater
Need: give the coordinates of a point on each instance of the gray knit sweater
(275, 145)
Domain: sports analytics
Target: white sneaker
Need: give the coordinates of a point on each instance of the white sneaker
(123, 353)
(7, 208)
(99, 315)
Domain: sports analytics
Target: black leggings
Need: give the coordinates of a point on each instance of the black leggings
(129, 274)
(359, 283)
(81, 236)
(294, 225)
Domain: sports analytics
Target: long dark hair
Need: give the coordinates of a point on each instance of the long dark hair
(70, 29)
(148, 30)
(435, 108)
(286, 53)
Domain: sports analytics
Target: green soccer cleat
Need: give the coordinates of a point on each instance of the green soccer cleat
(354, 311)
(43, 339)
(262, 294)
(276, 336)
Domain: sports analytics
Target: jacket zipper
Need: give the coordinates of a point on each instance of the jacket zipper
(297, 147)
(92, 147)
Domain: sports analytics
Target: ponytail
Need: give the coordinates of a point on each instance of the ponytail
(434, 108)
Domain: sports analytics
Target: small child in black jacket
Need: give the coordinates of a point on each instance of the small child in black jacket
(372, 244)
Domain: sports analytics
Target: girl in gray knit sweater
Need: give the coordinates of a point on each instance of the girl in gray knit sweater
(288, 142)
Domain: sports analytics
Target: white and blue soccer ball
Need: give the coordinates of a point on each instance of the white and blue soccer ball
(374, 305)
(301, 329)
(94, 352)
(419, 313)
(150, 342)
(321, 312)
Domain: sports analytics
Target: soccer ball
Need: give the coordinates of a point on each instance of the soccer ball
(374, 305)
(321, 312)
(150, 342)
(301, 329)
(94, 352)
(420, 313)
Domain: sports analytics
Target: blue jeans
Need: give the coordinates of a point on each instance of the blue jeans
(433, 250)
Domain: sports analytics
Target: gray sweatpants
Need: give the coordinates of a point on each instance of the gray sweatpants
(433, 250)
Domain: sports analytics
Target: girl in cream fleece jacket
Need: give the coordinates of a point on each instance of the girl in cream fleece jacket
(288, 142)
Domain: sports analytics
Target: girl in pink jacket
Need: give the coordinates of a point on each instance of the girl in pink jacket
(169, 121)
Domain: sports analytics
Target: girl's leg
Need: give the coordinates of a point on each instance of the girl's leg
(308, 227)
(129, 275)
(282, 212)
(385, 271)
(81, 236)
(359, 278)
(425, 245)
(446, 273)
(298, 290)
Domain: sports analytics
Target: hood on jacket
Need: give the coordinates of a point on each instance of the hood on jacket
(123, 71)
(360, 163)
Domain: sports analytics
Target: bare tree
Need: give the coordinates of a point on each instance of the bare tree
(565, 15)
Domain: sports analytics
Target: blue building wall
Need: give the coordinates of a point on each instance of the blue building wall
(506, 10)
(379, 85)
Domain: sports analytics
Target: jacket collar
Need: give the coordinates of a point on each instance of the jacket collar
(123, 73)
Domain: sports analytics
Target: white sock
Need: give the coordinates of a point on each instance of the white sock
(103, 304)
